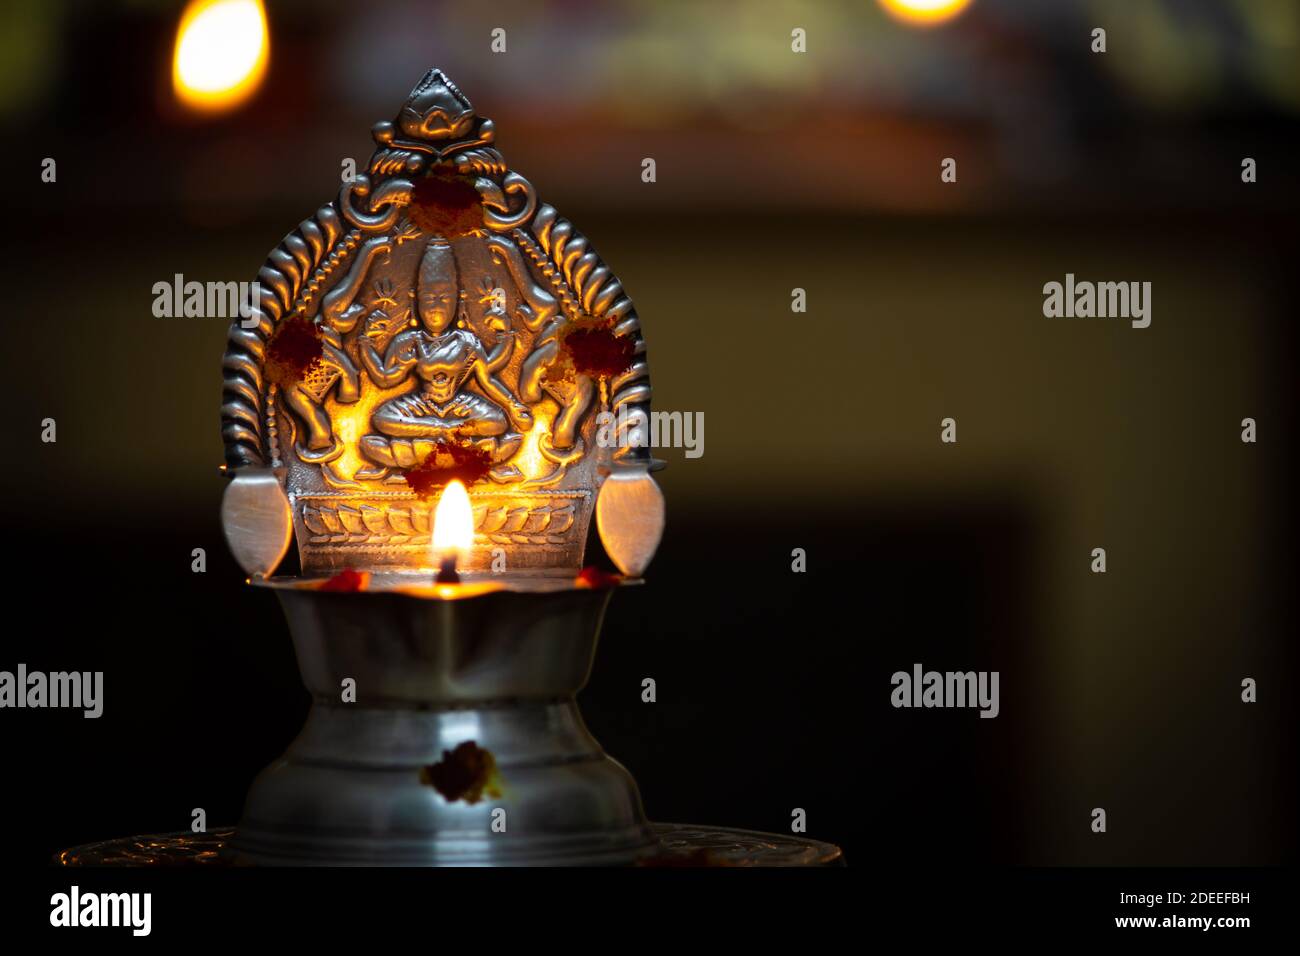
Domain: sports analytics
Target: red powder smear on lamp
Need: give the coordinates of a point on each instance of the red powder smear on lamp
(294, 350)
(595, 578)
(596, 351)
(466, 773)
(347, 581)
(446, 205)
(448, 462)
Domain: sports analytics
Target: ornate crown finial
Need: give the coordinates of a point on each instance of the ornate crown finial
(436, 121)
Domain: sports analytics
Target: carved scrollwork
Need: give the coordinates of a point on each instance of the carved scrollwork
(497, 211)
(312, 250)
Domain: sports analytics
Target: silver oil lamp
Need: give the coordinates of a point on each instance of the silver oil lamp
(437, 328)
(442, 385)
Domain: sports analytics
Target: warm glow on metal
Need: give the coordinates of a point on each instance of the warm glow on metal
(453, 521)
(924, 12)
(222, 47)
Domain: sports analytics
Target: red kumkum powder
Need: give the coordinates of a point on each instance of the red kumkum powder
(597, 351)
(347, 581)
(294, 350)
(447, 205)
(448, 462)
(596, 578)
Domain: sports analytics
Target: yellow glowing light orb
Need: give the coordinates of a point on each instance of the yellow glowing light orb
(221, 51)
(924, 12)
(453, 521)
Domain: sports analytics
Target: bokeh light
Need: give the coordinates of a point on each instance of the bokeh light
(222, 48)
(925, 12)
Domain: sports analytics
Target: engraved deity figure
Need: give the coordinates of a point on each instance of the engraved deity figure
(409, 428)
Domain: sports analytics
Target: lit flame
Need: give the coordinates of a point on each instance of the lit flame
(925, 12)
(221, 51)
(453, 522)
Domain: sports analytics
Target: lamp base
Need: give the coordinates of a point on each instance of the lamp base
(443, 732)
(401, 786)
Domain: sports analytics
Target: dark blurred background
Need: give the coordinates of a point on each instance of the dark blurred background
(776, 170)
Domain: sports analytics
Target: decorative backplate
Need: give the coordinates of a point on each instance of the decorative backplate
(437, 321)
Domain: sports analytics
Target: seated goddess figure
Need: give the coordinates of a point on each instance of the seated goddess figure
(440, 410)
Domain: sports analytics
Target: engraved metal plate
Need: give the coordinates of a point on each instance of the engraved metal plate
(422, 326)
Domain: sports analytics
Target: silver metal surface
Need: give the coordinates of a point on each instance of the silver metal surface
(438, 320)
(630, 517)
(498, 670)
(257, 520)
(431, 307)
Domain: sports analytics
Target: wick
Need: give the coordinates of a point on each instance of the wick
(447, 572)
